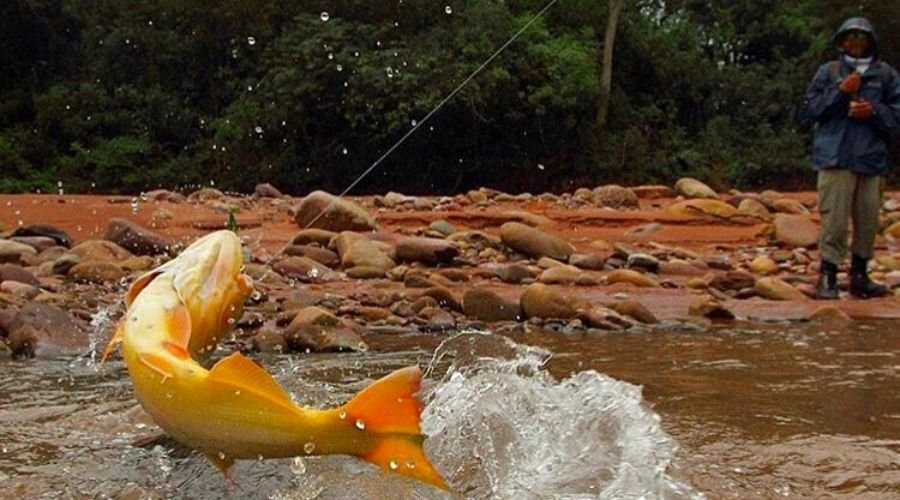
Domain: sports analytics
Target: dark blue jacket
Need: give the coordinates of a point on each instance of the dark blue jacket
(843, 142)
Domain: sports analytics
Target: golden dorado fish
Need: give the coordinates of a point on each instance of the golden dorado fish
(236, 410)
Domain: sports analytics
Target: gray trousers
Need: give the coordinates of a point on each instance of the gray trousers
(846, 196)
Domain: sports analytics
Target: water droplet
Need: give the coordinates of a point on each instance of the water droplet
(258, 129)
(259, 457)
(413, 123)
(342, 415)
(134, 205)
(230, 321)
(330, 56)
(221, 455)
(251, 40)
(410, 463)
(256, 295)
(237, 392)
(360, 424)
(540, 166)
(393, 465)
(344, 151)
(313, 273)
(448, 10)
(390, 72)
(339, 67)
(309, 447)
(324, 16)
(298, 466)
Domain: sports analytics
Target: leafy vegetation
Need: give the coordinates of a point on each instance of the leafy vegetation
(113, 96)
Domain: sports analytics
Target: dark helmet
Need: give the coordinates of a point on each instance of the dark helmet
(856, 24)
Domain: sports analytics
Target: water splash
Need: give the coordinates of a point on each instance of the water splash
(101, 328)
(501, 426)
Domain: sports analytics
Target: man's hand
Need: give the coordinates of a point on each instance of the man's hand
(860, 110)
(850, 84)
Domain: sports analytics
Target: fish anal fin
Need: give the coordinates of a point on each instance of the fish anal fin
(156, 363)
(113, 342)
(389, 404)
(239, 371)
(139, 284)
(221, 461)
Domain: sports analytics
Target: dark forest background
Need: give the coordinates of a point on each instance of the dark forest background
(131, 95)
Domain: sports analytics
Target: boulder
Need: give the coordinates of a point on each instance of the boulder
(320, 237)
(357, 250)
(513, 273)
(61, 237)
(692, 188)
(614, 196)
(704, 208)
(15, 252)
(754, 208)
(789, 206)
(534, 242)
(593, 261)
(604, 318)
(708, 307)
(13, 272)
(541, 301)
(101, 250)
(39, 243)
(635, 309)
(97, 271)
(763, 265)
(796, 230)
(633, 277)
(44, 330)
(136, 239)
(318, 254)
(326, 211)
(267, 190)
(777, 289)
(430, 251)
(302, 268)
(316, 329)
(561, 274)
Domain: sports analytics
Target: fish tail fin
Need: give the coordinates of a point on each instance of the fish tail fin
(390, 410)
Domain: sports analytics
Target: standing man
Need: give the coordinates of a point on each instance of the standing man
(855, 103)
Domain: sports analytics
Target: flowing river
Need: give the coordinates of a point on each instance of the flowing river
(771, 411)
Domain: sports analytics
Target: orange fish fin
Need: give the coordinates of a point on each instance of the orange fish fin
(221, 461)
(176, 350)
(240, 372)
(390, 406)
(138, 285)
(156, 363)
(113, 342)
(178, 324)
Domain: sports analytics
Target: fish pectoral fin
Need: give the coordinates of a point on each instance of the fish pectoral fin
(113, 342)
(239, 371)
(139, 284)
(156, 363)
(222, 462)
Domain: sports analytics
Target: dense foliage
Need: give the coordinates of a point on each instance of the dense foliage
(130, 95)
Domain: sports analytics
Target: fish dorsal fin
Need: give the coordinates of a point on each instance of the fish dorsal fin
(139, 285)
(240, 372)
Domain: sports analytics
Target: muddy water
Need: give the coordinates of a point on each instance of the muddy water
(783, 410)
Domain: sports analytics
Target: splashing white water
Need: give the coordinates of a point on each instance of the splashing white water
(501, 427)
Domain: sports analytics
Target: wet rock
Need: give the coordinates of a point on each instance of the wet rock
(44, 330)
(514, 273)
(358, 250)
(97, 271)
(267, 190)
(534, 242)
(633, 277)
(763, 265)
(633, 308)
(14, 252)
(562, 274)
(828, 314)
(436, 319)
(541, 301)
(100, 250)
(326, 211)
(590, 261)
(269, 341)
(39, 243)
(486, 305)
(302, 268)
(754, 208)
(604, 319)
(692, 188)
(643, 261)
(430, 251)
(795, 230)
(320, 237)
(444, 298)
(318, 254)
(777, 289)
(443, 227)
(720, 262)
(61, 237)
(704, 208)
(136, 239)
(317, 330)
(63, 264)
(733, 280)
(13, 272)
(614, 196)
(708, 307)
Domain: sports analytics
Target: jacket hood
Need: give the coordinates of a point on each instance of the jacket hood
(856, 23)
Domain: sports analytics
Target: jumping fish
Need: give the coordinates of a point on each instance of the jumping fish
(235, 410)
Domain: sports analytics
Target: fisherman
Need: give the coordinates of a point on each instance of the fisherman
(855, 105)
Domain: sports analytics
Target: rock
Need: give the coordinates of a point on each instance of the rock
(320, 237)
(326, 211)
(534, 242)
(828, 314)
(513, 273)
(63, 264)
(165, 195)
(692, 188)
(733, 280)
(317, 330)
(14, 252)
(707, 208)
(39, 243)
(561, 274)
(44, 330)
(97, 271)
(61, 237)
(591, 261)
(136, 239)
(321, 255)
(430, 251)
(358, 250)
(206, 194)
(476, 239)
(442, 227)
(100, 250)
(697, 283)
(444, 298)
(763, 265)
(19, 289)
(708, 307)
(679, 267)
(365, 273)
(893, 231)
(604, 319)
(789, 206)
(269, 341)
(302, 268)
(541, 301)
(643, 261)
(615, 196)
(889, 262)
(13, 272)
(633, 277)
(796, 230)
(436, 319)
(267, 190)
(653, 192)
(635, 309)
(547, 263)
(754, 208)
(777, 289)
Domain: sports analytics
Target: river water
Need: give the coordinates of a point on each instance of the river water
(772, 411)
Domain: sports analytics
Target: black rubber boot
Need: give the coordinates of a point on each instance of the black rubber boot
(826, 288)
(860, 284)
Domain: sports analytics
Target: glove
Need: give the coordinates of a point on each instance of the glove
(850, 84)
(860, 110)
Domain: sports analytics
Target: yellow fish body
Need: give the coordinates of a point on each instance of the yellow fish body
(236, 410)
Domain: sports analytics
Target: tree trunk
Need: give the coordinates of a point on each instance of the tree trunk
(609, 41)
